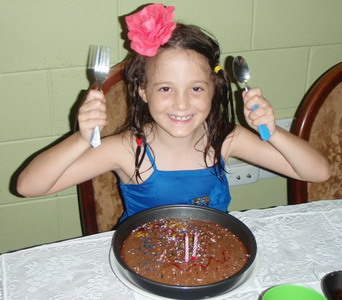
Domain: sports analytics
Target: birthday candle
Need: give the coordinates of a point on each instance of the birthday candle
(186, 247)
(194, 249)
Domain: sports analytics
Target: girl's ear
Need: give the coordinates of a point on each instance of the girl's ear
(142, 93)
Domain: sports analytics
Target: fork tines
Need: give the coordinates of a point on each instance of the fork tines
(101, 63)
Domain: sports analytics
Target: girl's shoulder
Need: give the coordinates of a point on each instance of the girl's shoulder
(229, 142)
(237, 141)
(122, 142)
(119, 151)
(119, 148)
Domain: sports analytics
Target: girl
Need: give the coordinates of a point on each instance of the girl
(182, 127)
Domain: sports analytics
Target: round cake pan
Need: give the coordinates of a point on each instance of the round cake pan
(185, 211)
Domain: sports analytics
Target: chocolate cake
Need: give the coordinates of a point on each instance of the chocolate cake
(184, 252)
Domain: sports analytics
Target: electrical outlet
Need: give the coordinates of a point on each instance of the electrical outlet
(241, 173)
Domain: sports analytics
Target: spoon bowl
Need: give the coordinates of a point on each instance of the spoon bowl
(241, 71)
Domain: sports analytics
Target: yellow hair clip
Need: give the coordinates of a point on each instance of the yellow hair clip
(217, 69)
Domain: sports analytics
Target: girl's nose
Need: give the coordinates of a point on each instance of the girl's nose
(181, 102)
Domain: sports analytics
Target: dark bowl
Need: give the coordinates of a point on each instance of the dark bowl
(186, 211)
(332, 285)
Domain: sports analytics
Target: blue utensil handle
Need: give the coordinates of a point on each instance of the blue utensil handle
(263, 129)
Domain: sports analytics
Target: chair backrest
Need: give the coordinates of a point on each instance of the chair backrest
(100, 201)
(319, 121)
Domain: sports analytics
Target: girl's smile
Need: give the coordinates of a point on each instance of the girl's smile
(181, 118)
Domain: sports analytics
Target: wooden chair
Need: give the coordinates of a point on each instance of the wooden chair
(99, 199)
(319, 121)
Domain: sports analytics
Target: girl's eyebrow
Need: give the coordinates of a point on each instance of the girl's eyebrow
(162, 82)
(170, 82)
(200, 81)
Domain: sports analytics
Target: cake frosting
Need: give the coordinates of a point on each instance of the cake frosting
(184, 252)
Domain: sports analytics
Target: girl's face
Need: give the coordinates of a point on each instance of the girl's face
(179, 92)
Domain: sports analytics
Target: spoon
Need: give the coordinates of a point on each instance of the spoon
(242, 75)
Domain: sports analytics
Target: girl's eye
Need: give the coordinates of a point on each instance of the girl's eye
(165, 89)
(197, 89)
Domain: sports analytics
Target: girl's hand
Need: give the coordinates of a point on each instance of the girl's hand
(264, 114)
(92, 113)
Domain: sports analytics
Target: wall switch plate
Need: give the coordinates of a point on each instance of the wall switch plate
(239, 173)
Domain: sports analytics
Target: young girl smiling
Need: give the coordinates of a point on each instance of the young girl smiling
(180, 131)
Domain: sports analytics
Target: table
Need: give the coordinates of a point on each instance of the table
(297, 244)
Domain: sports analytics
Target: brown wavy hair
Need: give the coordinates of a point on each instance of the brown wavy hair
(221, 119)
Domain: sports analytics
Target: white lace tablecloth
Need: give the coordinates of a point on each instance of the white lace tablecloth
(297, 244)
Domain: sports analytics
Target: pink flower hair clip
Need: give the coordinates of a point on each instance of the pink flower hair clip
(150, 28)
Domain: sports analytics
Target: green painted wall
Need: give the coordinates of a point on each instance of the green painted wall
(43, 55)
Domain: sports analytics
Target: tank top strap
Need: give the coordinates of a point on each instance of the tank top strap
(150, 157)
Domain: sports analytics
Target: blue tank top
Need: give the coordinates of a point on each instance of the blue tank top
(206, 187)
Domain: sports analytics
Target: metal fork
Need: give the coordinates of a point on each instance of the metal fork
(101, 69)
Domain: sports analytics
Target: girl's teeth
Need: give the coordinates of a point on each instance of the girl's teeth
(180, 118)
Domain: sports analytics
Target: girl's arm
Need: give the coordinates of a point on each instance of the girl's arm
(71, 161)
(284, 153)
